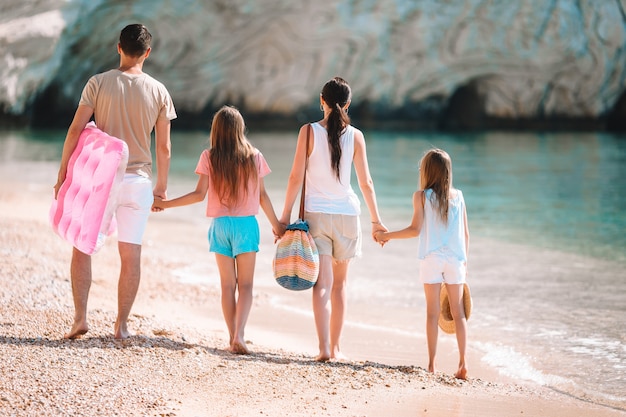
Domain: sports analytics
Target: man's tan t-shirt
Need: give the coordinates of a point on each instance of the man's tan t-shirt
(127, 107)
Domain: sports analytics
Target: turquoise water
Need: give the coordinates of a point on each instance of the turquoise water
(551, 298)
(563, 191)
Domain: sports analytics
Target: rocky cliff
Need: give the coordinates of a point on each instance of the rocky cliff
(454, 63)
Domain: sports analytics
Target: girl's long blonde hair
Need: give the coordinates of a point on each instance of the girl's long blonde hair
(436, 174)
(231, 156)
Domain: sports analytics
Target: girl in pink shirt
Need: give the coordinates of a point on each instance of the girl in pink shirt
(231, 174)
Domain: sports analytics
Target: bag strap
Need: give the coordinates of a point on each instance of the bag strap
(306, 164)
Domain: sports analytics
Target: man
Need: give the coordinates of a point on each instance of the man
(128, 104)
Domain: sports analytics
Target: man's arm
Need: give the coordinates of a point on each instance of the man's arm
(81, 118)
(163, 147)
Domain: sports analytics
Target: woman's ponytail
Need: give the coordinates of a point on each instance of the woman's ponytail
(336, 93)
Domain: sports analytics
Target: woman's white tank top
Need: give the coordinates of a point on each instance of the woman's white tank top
(324, 193)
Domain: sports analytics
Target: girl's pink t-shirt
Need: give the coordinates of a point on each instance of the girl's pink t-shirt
(248, 205)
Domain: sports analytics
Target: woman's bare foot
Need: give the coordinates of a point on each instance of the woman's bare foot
(338, 356)
(239, 348)
(461, 373)
(322, 358)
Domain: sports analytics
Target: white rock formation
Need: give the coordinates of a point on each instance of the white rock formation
(526, 58)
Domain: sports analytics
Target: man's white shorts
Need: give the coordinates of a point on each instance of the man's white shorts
(134, 202)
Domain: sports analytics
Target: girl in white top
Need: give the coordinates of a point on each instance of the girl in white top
(331, 207)
(440, 220)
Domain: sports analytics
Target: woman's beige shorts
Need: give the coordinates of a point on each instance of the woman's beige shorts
(337, 235)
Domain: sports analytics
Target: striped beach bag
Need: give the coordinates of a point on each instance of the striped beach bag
(297, 262)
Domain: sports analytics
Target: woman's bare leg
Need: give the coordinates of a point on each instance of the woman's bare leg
(339, 307)
(322, 306)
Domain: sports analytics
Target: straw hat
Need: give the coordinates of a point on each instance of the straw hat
(446, 322)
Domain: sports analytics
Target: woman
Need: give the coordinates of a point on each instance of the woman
(332, 208)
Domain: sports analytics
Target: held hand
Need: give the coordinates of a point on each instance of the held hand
(377, 233)
(378, 237)
(160, 193)
(279, 231)
(157, 205)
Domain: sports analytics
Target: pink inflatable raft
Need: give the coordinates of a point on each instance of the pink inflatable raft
(82, 214)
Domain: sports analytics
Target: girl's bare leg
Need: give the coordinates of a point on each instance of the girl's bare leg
(431, 292)
(339, 306)
(322, 306)
(228, 280)
(245, 278)
(455, 295)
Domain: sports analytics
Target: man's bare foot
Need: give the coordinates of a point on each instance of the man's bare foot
(239, 348)
(76, 331)
(461, 373)
(120, 335)
(121, 332)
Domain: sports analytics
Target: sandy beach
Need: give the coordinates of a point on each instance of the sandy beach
(177, 363)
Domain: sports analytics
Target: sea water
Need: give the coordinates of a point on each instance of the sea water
(550, 209)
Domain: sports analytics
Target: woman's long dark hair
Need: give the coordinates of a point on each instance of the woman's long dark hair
(336, 93)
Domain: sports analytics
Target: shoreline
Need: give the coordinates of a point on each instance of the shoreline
(400, 120)
(176, 364)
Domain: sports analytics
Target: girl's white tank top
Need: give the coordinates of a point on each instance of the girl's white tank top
(435, 235)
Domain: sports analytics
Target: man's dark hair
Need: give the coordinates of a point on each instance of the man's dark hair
(135, 40)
